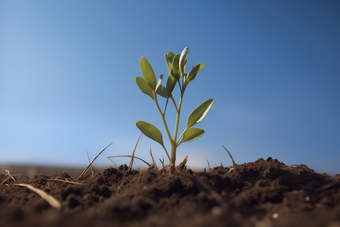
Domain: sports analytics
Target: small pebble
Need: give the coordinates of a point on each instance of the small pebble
(216, 211)
(275, 215)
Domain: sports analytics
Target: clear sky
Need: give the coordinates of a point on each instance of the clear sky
(68, 68)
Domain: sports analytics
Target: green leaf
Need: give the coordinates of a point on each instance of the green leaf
(159, 81)
(162, 91)
(168, 63)
(175, 67)
(192, 134)
(183, 61)
(150, 131)
(148, 73)
(170, 85)
(199, 113)
(144, 87)
(194, 71)
(171, 56)
(185, 80)
(201, 67)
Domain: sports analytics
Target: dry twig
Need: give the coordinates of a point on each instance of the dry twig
(234, 164)
(64, 181)
(13, 177)
(116, 166)
(209, 169)
(231, 169)
(164, 167)
(128, 156)
(182, 166)
(83, 173)
(8, 173)
(153, 160)
(88, 157)
(48, 198)
(162, 161)
(133, 154)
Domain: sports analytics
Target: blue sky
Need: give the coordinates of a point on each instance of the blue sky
(68, 68)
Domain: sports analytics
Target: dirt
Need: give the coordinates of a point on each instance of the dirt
(263, 193)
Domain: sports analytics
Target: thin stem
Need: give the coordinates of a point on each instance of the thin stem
(164, 121)
(173, 142)
(166, 153)
(166, 105)
(165, 125)
(178, 116)
(179, 138)
(173, 100)
(179, 84)
(173, 157)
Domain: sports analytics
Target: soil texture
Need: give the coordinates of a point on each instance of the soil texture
(264, 193)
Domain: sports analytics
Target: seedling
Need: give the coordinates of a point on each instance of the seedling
(176, 65)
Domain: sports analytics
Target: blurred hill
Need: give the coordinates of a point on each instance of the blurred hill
(30, 171)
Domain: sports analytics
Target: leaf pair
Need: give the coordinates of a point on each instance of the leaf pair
(165, 92)
(194, 118)
(153, 133)
(195, 69)
(178, 63)
(148, 85)
(189, 133)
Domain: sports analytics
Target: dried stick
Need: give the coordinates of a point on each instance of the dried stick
(88, 157)
(114, 163)
(182, 166)
(9, 174)
(48, 198)
(164, 167)
(13, 177)
(162, 161)
(234, 164)
(133, 154)
(128, 156)
(82, 174)
(65, 181)
(153, 160)
(209, 169)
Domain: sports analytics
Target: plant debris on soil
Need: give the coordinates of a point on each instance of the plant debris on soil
(263, 193)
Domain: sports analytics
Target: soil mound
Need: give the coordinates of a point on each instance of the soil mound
(263, 193)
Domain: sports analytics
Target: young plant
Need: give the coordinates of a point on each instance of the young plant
(150, 86)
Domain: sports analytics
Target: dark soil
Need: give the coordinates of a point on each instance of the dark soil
(263, 193)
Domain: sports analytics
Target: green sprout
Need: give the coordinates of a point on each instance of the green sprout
(150, 86)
